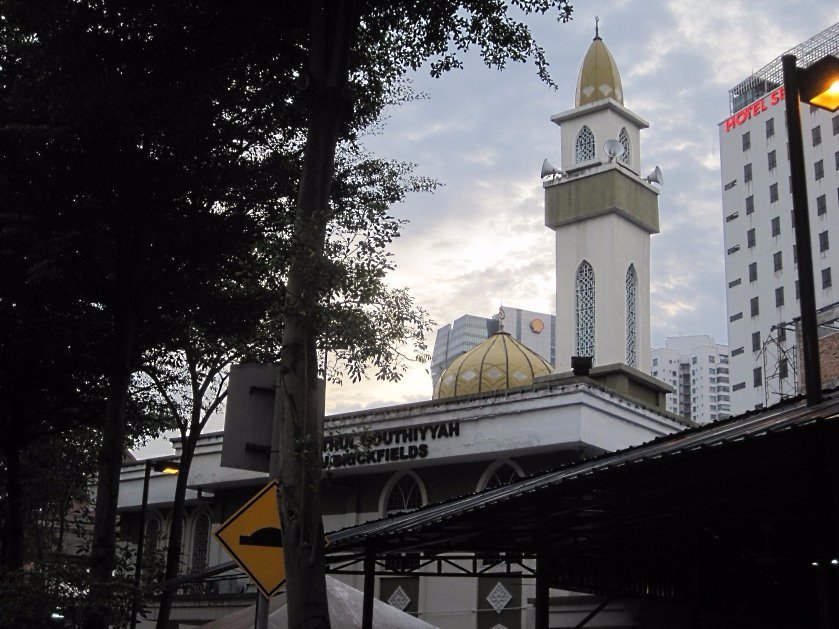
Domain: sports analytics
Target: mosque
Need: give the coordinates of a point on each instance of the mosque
(499, 412)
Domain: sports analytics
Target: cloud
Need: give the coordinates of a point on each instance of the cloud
(482, 239)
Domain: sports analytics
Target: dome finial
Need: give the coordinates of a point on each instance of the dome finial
(597, 27)
(501, 315)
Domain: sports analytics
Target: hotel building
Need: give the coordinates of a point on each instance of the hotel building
(759, 231)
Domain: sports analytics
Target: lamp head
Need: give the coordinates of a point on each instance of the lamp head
(166, 467)
(819, 84)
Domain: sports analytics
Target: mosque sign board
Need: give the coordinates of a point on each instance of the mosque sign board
(389, 445)
(252, 537)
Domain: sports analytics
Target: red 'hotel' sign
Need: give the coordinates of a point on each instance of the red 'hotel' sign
(754, 109)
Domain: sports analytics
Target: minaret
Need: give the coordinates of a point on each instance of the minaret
(603, 214)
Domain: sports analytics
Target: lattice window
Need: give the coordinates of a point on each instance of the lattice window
(503, 475)
(584, 148)
(183, 537)
(631, 317)
(152, 535)
(623, 138)
(200, 542)
(150, 548)
(404, 495)
(585, 310)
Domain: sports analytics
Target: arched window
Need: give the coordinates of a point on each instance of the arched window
(631, 317)
(183, 537)
(183, 542)
(152, 536)
(200, 541)
(503, 475)
(623, 138)
(151, 550)
(405, 495)
(584, 293)
(584, 148)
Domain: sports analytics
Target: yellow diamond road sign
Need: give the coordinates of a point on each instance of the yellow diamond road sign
(253, 538)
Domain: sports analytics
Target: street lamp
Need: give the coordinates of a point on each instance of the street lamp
(166, 466)
(817, 85)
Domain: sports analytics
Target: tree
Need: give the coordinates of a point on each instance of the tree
(126, 135)
(188, 377)
(140, 128)
(375, 44)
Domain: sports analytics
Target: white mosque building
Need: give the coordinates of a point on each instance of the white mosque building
(499, 411)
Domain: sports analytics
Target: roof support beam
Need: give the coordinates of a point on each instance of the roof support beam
(542, 589)
(596, 611)
(369, 585)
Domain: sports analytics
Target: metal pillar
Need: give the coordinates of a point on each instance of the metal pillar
(138, 566)
(542, 591)
(260, 620)
(263, 603)
(369, 585)
(800, 209)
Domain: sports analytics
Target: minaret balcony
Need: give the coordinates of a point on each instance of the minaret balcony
(599, 190)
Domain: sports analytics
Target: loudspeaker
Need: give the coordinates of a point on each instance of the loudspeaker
(655, 177)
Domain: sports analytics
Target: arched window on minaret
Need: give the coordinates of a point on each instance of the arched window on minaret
(623, 138)
(584, 292)
(631, 317)
(584, 148)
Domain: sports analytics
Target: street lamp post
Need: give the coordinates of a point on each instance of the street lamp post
(818, 85)
(165, 467)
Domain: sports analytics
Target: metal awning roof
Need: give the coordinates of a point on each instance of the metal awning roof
(708, 514)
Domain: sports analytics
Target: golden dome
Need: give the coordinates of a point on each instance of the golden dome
(498, 363)
(599, 77)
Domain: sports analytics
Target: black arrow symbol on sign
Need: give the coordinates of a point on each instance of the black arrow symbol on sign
(268, 536)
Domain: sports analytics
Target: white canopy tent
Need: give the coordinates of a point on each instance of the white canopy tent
(345, 606)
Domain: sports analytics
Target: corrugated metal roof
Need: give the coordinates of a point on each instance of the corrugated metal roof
(785, 415)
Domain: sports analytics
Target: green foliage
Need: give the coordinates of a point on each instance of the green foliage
(394, 37)
(149, 169)
(51, 590)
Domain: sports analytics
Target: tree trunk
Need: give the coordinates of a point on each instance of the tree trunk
(13, 535)
(333, 26)
(103, 553)
(173, 550)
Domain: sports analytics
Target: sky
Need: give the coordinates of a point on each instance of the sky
(480, 240)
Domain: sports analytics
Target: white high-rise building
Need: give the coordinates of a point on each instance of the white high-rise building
(760, 252)
(697, 367)
(535, 330)
(603, 213)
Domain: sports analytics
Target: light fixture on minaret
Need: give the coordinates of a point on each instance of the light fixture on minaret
(603, 212)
